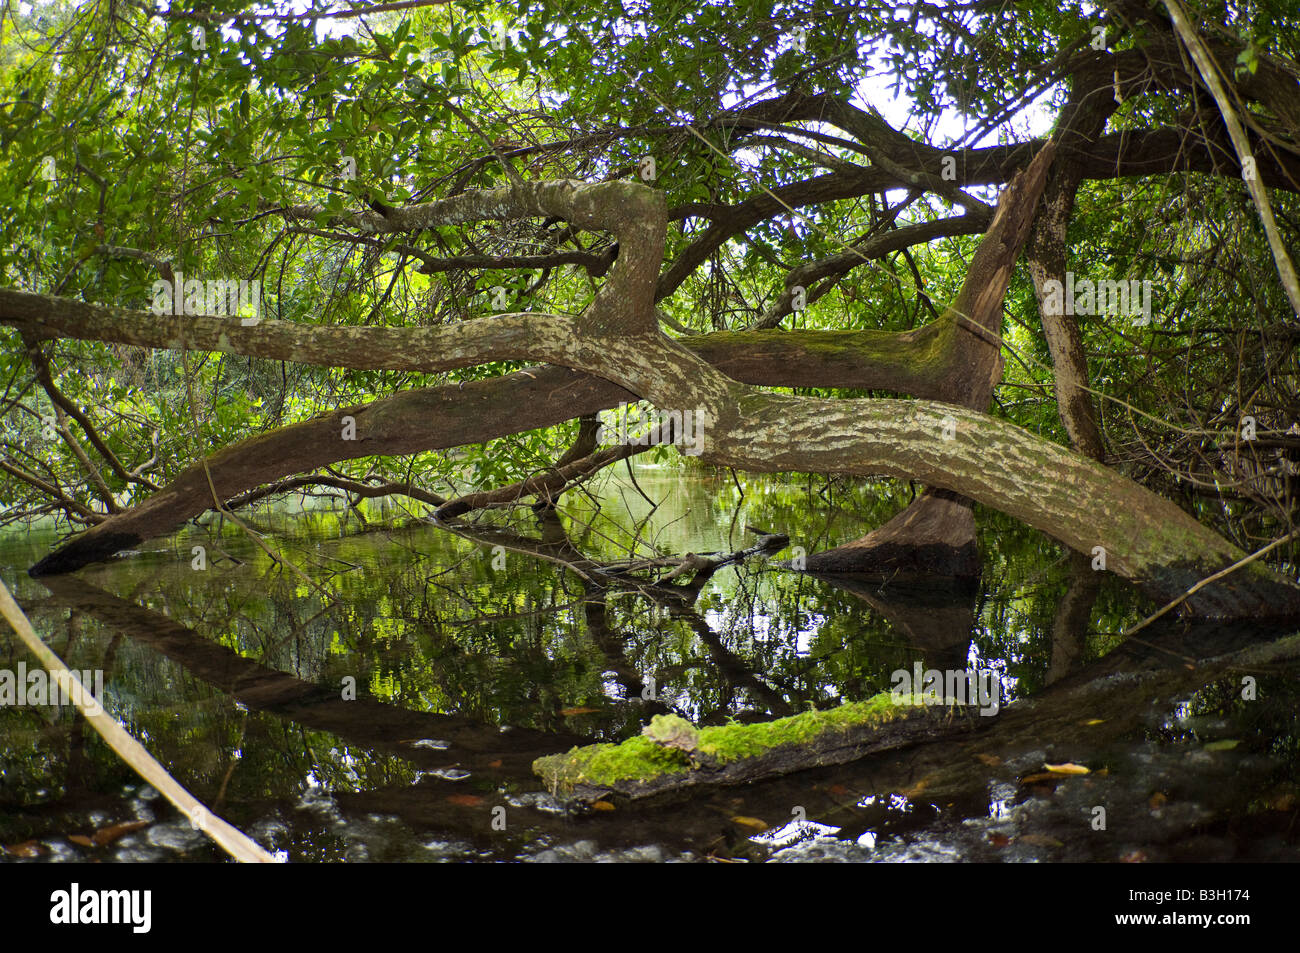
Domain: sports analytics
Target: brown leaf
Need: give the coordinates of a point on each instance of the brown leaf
(81, 839)
(1040, 840)
(28, 848)
(107, 835)
(991, 760)
(1157, 801)
(566, 712)
(838, 790)
(916, 789)
(602, 806)
(999, 840)
(1040, 777)
(1283, 802)
(495, 764)
(465, 800)
(753, 822)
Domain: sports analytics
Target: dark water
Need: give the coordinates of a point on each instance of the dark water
(469, 661)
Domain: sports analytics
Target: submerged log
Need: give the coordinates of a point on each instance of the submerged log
(935, 535)
(673, 755)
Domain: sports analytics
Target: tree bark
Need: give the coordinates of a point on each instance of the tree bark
(1147, 539)
(1082, 120)
(936, 533)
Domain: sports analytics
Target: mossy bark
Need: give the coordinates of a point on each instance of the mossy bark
(936, 533)
(617, 337)
(738, 754)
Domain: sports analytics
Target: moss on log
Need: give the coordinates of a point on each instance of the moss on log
(673, 755)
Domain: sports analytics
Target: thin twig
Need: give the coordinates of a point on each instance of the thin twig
(1209, 579)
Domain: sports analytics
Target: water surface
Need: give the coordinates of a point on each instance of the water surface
(470, 655)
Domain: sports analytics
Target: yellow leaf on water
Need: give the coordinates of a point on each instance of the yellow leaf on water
(602, 806)
(753, 822)
(1068, 768)
(1094, 721)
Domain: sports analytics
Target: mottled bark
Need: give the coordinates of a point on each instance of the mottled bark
(1082, 120)
(1148, 539)
(936, 533)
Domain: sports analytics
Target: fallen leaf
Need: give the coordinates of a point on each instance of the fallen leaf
(602, 806)
(1157, 801)
(495, 764)
(999, 840)
(916, 789)
(1225, 745)
(566, 712)
(81, 839)
(1037, 778)
(107, 835)
(1068, 768)
(28, 848)
(465, 800)
(838, 790)
(1039, 840)
(753, 822)
(991, 760)
(1094, 721)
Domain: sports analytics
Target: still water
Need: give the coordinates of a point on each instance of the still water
(375, 688)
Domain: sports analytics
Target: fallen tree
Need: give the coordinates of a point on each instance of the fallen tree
(1145, 538)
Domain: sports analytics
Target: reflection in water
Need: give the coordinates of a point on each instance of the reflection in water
(393, 713)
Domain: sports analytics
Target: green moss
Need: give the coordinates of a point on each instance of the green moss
(732, 742)
(640, 758)
(604, 765)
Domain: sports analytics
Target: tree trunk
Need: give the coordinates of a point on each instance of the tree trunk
(936, 533)
(1146, 539)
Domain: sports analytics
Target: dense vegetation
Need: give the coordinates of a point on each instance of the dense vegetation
(825, 166)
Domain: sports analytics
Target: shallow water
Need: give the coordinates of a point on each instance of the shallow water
(471, 657)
